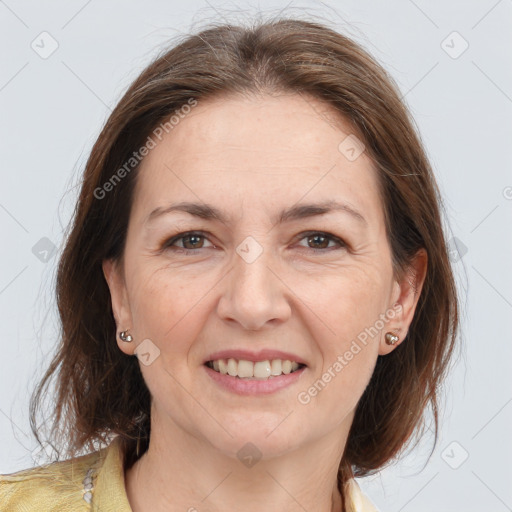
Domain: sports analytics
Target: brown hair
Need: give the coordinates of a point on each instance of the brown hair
(100, 390)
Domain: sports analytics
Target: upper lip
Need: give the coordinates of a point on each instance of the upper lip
(260, 355)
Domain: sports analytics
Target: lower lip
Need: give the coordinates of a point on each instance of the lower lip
(254, 386)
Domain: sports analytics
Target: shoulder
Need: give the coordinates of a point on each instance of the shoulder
(357, 500)
(59, 486)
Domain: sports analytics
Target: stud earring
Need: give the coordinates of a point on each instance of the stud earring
(391, 338)
(125, 337)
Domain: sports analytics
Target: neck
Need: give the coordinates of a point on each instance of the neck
(182, 472)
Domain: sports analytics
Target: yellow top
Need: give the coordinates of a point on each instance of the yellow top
(93, 482)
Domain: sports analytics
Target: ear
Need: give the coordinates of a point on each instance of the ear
(114, 276)
(406, 293)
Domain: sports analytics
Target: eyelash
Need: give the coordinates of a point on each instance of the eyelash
(168, 244)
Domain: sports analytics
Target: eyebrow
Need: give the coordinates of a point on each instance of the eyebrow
(209, 212)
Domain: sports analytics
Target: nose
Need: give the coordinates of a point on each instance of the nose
(254, 294)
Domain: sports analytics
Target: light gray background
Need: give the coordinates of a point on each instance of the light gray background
(53, 108)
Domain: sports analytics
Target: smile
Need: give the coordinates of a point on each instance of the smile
(259, 370)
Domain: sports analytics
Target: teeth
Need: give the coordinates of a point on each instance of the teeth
(248, 370)
(223, 366)
(261, 369)
(232, 367)
(245, 369)
(276, 366)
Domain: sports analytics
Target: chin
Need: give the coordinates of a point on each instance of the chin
(269, 441)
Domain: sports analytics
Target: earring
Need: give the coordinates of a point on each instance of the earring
(391, 338)
(125, 337)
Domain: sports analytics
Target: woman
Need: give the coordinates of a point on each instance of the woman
(256, 297)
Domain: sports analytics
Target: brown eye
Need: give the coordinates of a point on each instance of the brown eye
(319, 241)
(189, 241)
(194, 241)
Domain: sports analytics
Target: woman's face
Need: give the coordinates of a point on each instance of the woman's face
(262, 274)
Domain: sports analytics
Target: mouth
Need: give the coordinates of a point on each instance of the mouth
(254, 370)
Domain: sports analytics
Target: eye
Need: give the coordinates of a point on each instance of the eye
(190, 240)
(321, 240)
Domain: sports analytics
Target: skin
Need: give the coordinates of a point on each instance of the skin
(251, 157)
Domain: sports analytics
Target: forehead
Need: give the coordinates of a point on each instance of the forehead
(256, 152)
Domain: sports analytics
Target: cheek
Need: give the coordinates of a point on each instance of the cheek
(351, 307)
(336, 392)
(349, 302)
(349, 355)
(168, 310)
